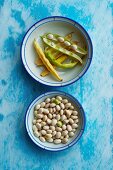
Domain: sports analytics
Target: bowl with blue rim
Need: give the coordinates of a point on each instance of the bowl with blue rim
(56, 25)
(51, 146)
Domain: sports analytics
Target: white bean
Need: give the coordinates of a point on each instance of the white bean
(39, 116)
(50, 36)
(34, 121)
(59, 98)
(44, 118)
(64, 127)
(46, 127)
(63, 117)
(39, 121)
(50, 140)
(58, 135)
(48, 121)
(60, 39)
(66, 121)
(67, 43)
(54, 122)
(64, 101)
(48, 136)
(49, 131)
(72, 107)
(43, 132)
(47, 105)
(75, 113)
(54, 110)
(40, 110)
(43, 124)
(62, 105)
(42, 139)
(54, 115)
(64, 133)
(69, 128)
(71, 121)
(58, 108)
(38, 125)
(46, 111)
(61, 112)
(71, 134)
(34, 127)
(53, 133)
(50, 110)
(57, 141)
(64, 140)
(42, 104)
(58, 129)
(58, 117)
(35, 113)
(52, 128)
(74, 117)
(37, 107)
(76, 121)
(36, 133)
(67, 105)
(68, 113)
(52, 105)
(74, 47)
(74, 126)
(48, 100)
(50, 116)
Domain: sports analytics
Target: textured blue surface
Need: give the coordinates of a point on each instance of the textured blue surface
(94, 90)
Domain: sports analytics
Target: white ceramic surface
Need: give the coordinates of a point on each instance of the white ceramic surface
(51, 146)
(62, 26)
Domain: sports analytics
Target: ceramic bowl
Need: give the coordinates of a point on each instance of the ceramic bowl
(62, 26)
(52, 146)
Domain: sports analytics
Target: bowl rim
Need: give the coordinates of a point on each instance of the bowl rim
(75, 140)
(63, 83)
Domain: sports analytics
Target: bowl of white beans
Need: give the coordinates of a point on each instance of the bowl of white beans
(55, 121)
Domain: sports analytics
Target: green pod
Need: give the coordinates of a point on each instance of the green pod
(61, 49)
(78, 48)
(50, 57)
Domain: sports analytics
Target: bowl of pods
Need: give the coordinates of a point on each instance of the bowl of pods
(55, 121)
(56, 51)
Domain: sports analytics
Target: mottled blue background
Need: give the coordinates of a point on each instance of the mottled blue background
(94, 90)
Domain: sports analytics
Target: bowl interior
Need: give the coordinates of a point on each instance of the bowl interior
(51, 146)
(62, 27)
